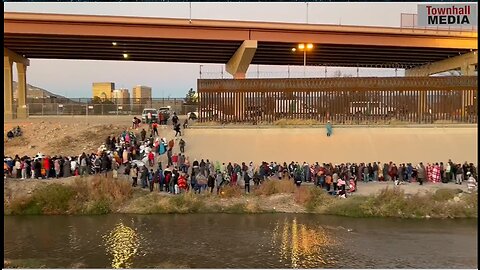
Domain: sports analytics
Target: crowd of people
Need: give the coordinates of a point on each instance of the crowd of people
(139, 158)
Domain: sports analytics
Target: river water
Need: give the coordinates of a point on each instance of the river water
(239, 241)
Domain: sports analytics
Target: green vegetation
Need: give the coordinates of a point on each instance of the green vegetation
(92, 197)
(97, 196)
(393, 202)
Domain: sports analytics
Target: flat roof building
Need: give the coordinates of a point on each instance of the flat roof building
(103, 90)
(142, 94)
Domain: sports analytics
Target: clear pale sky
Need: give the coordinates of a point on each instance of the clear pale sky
(73, 78)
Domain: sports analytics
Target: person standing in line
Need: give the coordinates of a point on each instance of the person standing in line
(83, 165)
(365, 174)
(211, 182)
(459, 175)
(144, 176)
(160, 177)
(375, 171)
(151, 179)
(134, 175)
(115, 167)
(219, 181)
(420, 173)
(247, 178)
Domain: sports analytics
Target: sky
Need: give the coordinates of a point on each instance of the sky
(74, 78)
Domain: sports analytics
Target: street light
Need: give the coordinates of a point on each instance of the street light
(304, 47)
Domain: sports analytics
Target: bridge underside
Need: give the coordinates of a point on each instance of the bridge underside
(220, 52)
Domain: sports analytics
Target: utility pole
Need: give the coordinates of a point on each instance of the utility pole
(307, 11)
(190, 9)
(304, 63)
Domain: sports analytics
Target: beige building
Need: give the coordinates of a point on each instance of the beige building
(103, 90)
(121, 97)
(142, 94)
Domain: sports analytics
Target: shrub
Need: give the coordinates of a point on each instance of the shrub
(312, 198)
(271, 187)
(185, 203)
(25, 206)
(231, 192)
(99, 207)
(445, 194)
(351, 207)
(51, 199)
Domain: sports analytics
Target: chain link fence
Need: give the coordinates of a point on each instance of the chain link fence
(86, 106)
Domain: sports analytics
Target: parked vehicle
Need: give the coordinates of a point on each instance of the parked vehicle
(285, 107)
(145, 113)
(370, 108)
(166, 111)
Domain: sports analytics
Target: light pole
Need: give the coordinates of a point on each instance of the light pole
(304, 47)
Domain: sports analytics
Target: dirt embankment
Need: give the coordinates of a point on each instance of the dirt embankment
(62, 135)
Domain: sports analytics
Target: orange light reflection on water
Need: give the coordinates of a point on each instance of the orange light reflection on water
(303, 246)
(122, 244)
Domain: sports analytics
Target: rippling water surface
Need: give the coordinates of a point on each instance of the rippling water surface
(238, 241)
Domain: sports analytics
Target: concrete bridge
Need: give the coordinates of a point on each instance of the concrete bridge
(233, 43)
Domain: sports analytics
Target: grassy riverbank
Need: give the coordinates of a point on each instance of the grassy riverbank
(98, 195)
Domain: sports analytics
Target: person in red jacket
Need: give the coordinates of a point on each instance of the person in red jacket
(155, 129)
(46, 166)
(175, 160)
(151, 158)
(233, 179)
(182, 183)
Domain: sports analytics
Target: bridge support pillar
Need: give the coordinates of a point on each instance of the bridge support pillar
(22, 91)
(11, 57)
(241, 59)
(8, 88)
(465, 62)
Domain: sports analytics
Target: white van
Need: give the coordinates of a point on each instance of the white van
(154, 113)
